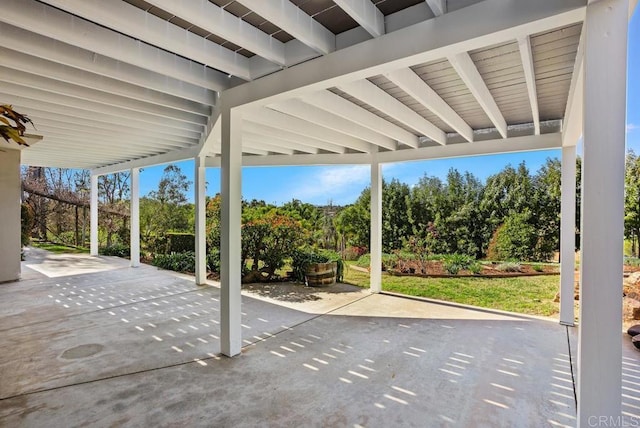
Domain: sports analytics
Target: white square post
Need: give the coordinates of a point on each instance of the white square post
(568, 235)
(134, 238)
(375, 277)
(93, 235)
(134, 233)
(201, 224)
(600, 337)
(230, 239)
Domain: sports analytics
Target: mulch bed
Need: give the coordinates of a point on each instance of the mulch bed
(435, 269)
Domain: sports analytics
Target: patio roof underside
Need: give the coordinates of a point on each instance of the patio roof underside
(142, 81)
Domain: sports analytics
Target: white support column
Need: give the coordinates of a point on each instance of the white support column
(230, 245)
(94, 216)
(375, 281)
(201, 215)
(600, 338)
(568, 235)
(134, 237)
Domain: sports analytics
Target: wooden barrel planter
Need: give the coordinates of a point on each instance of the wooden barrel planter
(321, 274)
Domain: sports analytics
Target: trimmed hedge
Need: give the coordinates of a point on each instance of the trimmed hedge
(180, 242)
(118, 250)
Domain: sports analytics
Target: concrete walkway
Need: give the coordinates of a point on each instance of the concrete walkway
(139, 347)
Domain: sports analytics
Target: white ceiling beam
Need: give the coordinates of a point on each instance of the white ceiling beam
(294, 21)
(276, 119)
(369, 93)
(175, 156)
(115, 139)
(29, 64)
(250, 143)
(479, 25)
(417, 88)
(278, 142)
(61, 53)
(254, 151)
(35, 83)
(572, 122)
(138, 24)
(365, 13)
(466, 69)
(301, 110)
(524, 44)
(76, 124)
(218, 21)
(61, 100)
(56, 24)
(334, 103)
(49, 110)
(438, 7)
(291, 137)
(490, 147)
(98, 147)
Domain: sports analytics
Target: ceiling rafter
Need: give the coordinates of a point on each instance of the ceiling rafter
(20, 62)
(279, 142)
(524, 44)
(218, 21)
(369, 93)
(44, 108)
(334, 103)
(301, 110)
(468, 72)
(274, 118)
(88, 126)
(292, 137)
(294, 21)
(34, 84)
(438, 7)
(365, 13)
(56, 24)
(57, 128)
(54, 52)
(56, 100)
(417, 88)
(138, 24)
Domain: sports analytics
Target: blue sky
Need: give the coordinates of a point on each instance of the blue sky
(342, 184)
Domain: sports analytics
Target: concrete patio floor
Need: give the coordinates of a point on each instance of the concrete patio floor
(118, 346)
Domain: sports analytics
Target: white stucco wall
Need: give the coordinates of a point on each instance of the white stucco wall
(9, 215)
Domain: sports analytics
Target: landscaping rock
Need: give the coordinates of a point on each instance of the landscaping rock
(636, 313)
(634, 330)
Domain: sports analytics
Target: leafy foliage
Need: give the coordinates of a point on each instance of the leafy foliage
(179, 262)
(12, 125)
(454, 263)
(269, 238)
(118, 250)
(302, 258)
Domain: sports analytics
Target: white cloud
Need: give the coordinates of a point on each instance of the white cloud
(340, 184)
(632, 127)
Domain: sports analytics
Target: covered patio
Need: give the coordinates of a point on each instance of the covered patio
(118, 346)
(282, 82)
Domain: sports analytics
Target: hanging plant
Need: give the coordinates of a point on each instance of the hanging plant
(12, 125)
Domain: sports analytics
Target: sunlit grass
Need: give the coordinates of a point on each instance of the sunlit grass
(526, 295)
(59, 248)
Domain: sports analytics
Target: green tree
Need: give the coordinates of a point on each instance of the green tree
(632, 200)
(396, 226)
(174, 213)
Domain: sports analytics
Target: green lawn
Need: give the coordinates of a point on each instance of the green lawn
(59, 248)
(526, 295)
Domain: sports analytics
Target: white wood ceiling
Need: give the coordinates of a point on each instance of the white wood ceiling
(107, 82)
